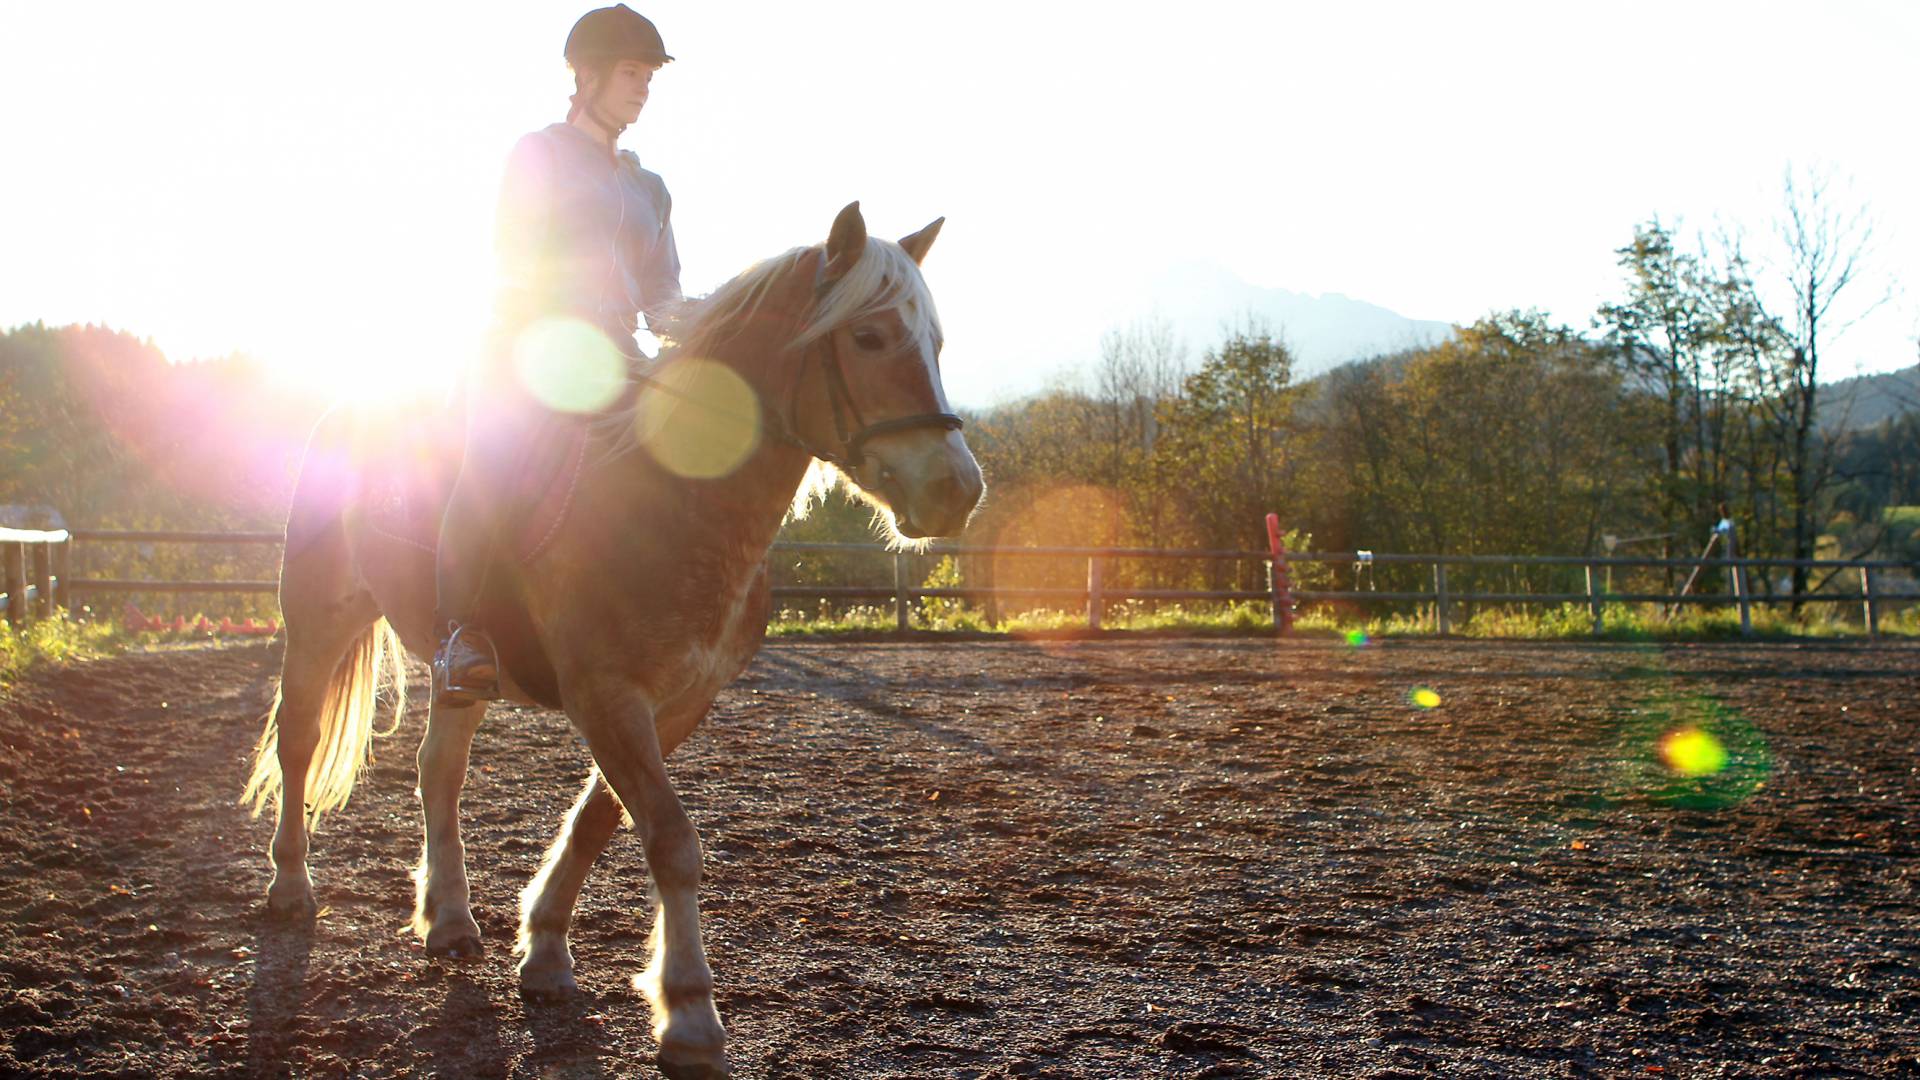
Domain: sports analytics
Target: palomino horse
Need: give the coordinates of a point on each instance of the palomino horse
(650, 597)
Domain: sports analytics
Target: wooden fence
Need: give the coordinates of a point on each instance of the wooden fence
(33, 571)
(49, 557)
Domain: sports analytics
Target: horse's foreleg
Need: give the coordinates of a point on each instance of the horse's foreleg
(546, 905)
(443, 915)
(619, 727)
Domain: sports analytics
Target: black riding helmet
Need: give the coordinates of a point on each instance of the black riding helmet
(611, 34)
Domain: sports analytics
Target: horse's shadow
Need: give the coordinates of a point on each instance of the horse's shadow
(281, 952)
(569, 1037)
(464, 1037)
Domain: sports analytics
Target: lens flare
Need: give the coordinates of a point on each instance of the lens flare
(1693, 752)
(1357, 637)
(698, 418)
(569, 365)
(1068, 515)
(1689, 750)
(1423, 698)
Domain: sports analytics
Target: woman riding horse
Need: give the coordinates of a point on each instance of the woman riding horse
(651, 590)
(584, 232)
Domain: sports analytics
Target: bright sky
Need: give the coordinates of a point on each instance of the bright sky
(315, 185)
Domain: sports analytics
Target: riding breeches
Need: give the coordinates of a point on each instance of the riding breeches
(503, 425)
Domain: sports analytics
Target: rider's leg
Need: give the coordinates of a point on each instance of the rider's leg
(501, 425)
(465, 668)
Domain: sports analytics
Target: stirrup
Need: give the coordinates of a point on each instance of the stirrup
(456, 688)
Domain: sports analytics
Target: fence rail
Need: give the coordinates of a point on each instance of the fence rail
(37, 571)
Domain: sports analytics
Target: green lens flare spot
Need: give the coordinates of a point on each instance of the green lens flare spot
(1356, 638)
(1693, 752)
(1687, 750)
(1423, 698)
(568, 365)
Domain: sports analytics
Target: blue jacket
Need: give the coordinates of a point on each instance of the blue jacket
(583, 233)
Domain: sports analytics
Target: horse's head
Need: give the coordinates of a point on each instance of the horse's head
(867, 395)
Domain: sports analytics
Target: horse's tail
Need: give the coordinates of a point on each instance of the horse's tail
(346, 724)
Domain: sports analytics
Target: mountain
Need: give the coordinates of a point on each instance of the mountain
(1200, 300)
(1866, 400)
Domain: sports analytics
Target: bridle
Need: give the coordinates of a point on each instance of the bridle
(850, 425)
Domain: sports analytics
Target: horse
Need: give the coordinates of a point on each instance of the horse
(650, 596)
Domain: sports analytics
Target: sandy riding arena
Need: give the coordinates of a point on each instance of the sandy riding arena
(1144, 858)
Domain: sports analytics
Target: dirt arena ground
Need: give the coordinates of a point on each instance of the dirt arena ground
(1116, 858)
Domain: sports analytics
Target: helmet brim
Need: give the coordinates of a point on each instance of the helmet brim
(616, 57)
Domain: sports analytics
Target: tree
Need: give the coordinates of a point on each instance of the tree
(1139, 368)
(1226, 439)
(1823, 248)
(1669, 333)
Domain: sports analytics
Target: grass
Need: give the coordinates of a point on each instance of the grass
(1566, 622)
(63, 639)
(1569, 622)
(54, 641)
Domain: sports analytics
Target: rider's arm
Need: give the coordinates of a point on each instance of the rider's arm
(660, 268)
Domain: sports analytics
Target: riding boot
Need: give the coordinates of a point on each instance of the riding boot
(466, 669)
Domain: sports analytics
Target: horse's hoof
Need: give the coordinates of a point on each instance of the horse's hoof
(692, 1070)
(291, 908)
(684, 1063)
(463, 947)
(556, 985)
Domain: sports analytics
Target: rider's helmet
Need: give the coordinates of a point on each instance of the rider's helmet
(610, 34)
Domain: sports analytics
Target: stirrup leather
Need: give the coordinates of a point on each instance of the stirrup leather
(475, 678)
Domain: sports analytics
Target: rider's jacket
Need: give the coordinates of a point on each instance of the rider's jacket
(583, 232)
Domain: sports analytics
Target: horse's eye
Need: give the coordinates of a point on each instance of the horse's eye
(867, 339)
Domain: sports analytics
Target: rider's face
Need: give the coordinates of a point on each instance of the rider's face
(626, 89)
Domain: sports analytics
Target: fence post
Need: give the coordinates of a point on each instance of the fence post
(13, 581)
(1096, 602)
(1738, 574)
(900, 591)
(991, 579)
(1866, 595)
(1441, 623)
(1593, 602)
(63, 574)
(42, 581)
(1279, 577)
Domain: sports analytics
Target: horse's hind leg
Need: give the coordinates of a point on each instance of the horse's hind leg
(546, 905)
(443, 913)
(317, 638)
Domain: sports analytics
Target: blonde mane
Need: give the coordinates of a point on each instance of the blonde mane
(885, 278)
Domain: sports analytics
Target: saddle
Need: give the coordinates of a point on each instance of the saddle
(404, 473)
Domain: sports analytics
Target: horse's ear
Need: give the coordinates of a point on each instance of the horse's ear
(847, 242)
(919, 242)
